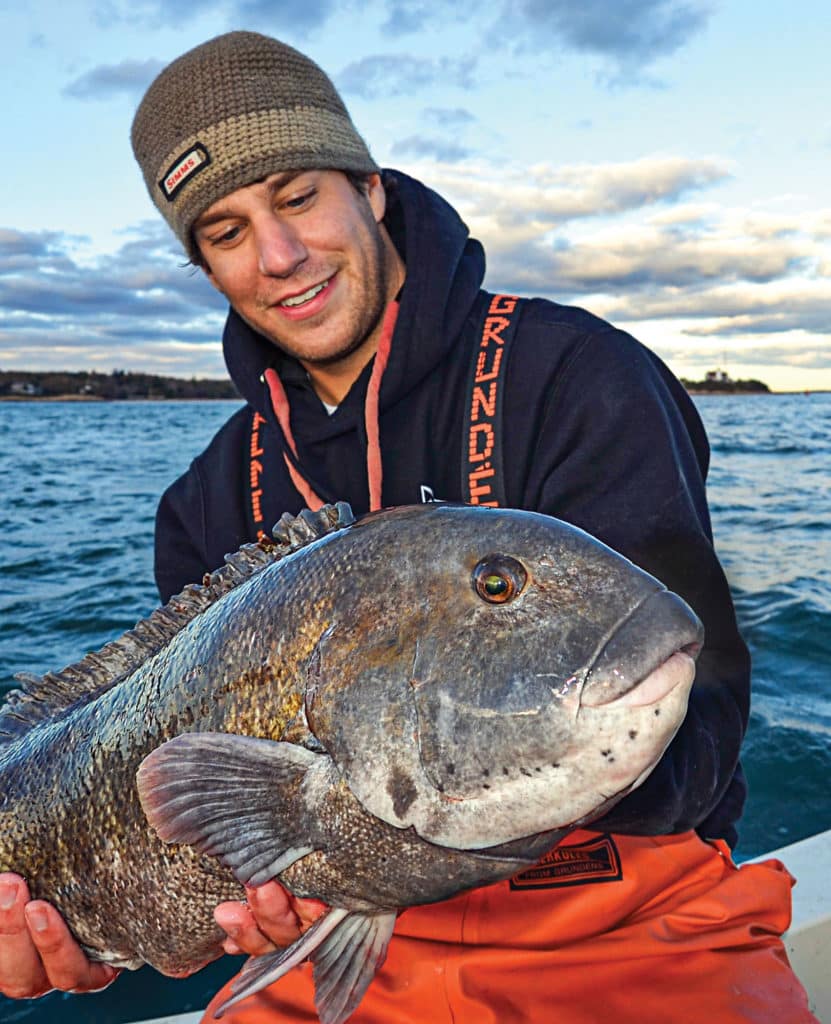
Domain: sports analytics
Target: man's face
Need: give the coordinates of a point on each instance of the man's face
(304, 260)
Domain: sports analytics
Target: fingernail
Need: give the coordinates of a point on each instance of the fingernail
(8, 895)
(37, 918)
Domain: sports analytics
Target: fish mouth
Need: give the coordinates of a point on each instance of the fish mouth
(677, 670)
(650, 654)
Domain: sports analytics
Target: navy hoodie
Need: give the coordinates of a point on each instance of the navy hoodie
(596, 431)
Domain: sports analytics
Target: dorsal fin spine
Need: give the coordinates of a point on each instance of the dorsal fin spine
(41, 698)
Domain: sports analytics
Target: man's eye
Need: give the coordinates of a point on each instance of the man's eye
(224, 237)
(229, 235)
(298, 202)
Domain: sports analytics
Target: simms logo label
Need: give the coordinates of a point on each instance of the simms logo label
(183, 169)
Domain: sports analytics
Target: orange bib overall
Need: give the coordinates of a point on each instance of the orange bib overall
(619, 929)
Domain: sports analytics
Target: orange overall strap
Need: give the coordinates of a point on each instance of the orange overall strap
(483, 479)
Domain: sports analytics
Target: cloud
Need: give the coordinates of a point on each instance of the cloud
(714, 285)
(636, 243)
(802, 299)
(524, 205)
(298, 16)
(409, 16)
(137, 306)
(643, 259)
(811, 317)
(59, 350)
(130, 77)
(629, 34)
(448, 117)
(626, 35)
(423, 147)
(400, 75)
(430, 146)
(21, 250)
(796, 356)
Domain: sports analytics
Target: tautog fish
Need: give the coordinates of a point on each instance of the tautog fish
(379, 713)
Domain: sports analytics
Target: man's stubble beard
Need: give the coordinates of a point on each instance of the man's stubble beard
(364, 325)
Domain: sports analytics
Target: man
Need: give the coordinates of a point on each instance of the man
(356, 318)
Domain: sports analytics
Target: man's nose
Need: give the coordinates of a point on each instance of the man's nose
(279, 249)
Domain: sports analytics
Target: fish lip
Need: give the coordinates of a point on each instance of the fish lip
(676, 670)
(626, 662)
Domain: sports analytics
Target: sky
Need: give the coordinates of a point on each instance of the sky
(662, 163)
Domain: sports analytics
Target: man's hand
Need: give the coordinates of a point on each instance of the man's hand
(37, 951)
(272, 919)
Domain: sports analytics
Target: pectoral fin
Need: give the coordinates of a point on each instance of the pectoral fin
(239, 799)
(346, 948)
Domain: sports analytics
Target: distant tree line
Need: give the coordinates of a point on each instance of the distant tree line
(119, 384)
(125, 384)
(728, 387)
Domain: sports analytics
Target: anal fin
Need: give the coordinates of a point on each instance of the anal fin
(346, 948)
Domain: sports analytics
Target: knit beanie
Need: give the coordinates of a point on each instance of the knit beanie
(229, 113)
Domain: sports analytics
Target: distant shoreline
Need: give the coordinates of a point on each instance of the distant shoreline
(92, 386)
(130, 398)
(83, 399)
(126, 385)
(755, 394)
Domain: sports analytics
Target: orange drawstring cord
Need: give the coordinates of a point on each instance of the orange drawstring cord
(374, 467)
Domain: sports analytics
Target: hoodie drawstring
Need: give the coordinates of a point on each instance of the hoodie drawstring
(280, 404)
(374, 467)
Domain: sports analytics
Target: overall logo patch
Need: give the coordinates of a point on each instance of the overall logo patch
(183, 168)
(595, 861)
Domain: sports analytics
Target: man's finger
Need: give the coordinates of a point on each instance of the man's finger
(275, 908)
(308, 911)
(64, 962)
(275, 913)
(272, 919)
(22, 975)
(244, 935)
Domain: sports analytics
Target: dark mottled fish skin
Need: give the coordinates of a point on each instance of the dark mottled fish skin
(70, 818)
(443, 692)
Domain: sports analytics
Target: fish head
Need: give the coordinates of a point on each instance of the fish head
(507, 675)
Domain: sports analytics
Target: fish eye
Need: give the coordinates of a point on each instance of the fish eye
(498, 579)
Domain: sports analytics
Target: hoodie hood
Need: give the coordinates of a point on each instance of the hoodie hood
(427, 232)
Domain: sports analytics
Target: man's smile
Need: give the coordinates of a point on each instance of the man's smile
(310, 293)
(307, 303)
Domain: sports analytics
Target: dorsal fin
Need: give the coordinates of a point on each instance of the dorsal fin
(42, 698)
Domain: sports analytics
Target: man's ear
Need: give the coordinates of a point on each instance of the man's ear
(376, 196)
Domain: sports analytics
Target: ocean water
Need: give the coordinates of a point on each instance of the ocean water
(79, 484)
